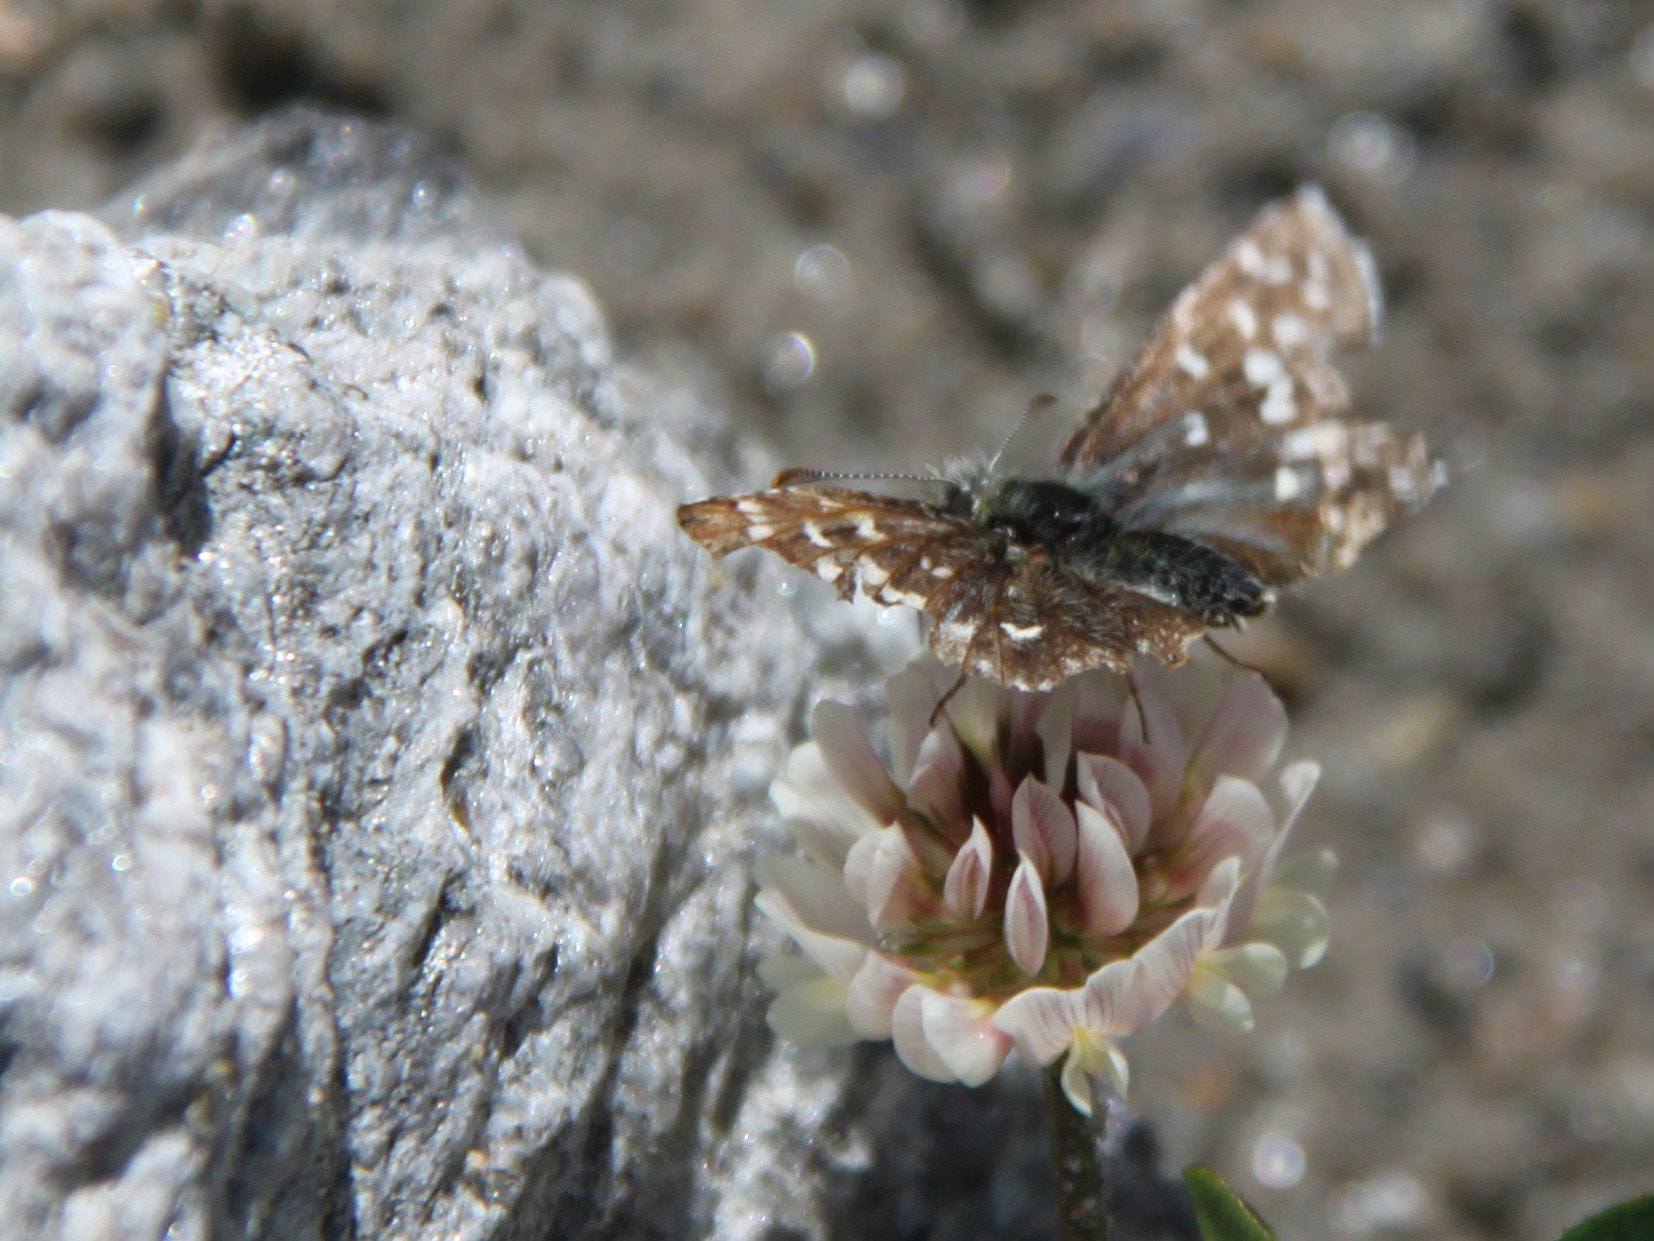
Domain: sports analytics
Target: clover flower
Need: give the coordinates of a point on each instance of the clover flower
(1046, 871)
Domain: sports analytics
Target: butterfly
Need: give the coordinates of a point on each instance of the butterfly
(1211, 474)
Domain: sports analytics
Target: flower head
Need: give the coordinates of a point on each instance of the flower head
(1047, 871)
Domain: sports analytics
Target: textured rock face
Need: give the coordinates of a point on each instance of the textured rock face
(380, 768)
(362, 729)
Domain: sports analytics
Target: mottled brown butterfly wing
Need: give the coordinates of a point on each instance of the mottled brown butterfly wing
(1220, 433)
(1029, 621)
(1217, 431)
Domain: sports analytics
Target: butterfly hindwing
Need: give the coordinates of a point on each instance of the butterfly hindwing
(1245, 346)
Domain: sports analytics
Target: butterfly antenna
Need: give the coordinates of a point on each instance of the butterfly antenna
(796, 478)
(1038, 405)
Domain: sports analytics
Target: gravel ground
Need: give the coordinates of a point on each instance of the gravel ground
(873, 231)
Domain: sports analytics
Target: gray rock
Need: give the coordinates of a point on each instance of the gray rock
(381, 769)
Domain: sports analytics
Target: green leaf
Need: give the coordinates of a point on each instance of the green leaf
(1222, 1214)
(1632, 1220)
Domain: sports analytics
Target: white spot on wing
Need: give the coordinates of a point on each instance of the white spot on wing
(1021, 633)
(1249, 257)
(1245, 319)
(872, 575)
(1289, 329)
(1192, 360)
(867, 530)
(1196, 432)
(813, 532)
(1278, 406)
(1289, 484)
(759, 531)
(1262, 366)
(828, 569)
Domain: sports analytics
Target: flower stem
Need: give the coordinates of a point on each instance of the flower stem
(1077, 1159)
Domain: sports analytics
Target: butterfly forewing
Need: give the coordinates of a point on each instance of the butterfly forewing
(1243, 351)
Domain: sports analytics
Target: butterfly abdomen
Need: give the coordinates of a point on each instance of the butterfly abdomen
(1172, 569)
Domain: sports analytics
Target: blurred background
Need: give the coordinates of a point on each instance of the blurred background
(874, 230)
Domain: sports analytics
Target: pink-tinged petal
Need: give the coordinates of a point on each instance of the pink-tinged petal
(1108, 889)
(1041, 1020)
(871, 994)
(852, 761)
(1221, 887)
(1235, 821)
(1110, 1002)
(1244, 736)
(1160, 758)
(962, 1033)
(882, 874)
(907, 1031)
(912, 695)
(1056, 732)
(1043, 829)
(816, 896)
(965, 890)
(1027, 925)
(1167, 960)
(824, 818)
(839, 957)
(937, 789)
(974, 714)
(1112, 787)
(1297, 783)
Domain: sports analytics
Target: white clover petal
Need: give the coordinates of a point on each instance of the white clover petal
(1235, 821)
(822, 816)
(1110, 786)
(1244, 736)
(872, 993)
(907, 1031)
(1297, 783)
(1055, 730)
(850, 758)
(912, 696)
(965, 890)
(839, 957)
(937, 789)
(1108, 888)
(962, 1034)
(1160, 757)
(1027, 924)
(1296, 923)
(1088, 1060)
(883, 875)
(1041, 1021)
(810, 1011)
(1257, 969)
(1217, 1004)
(1310, 872)
(815, 897)
(1168, 959)
(1043, 830)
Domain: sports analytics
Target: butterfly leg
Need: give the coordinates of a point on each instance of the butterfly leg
(936, 711)
(1137, 701)
(1232, 660)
